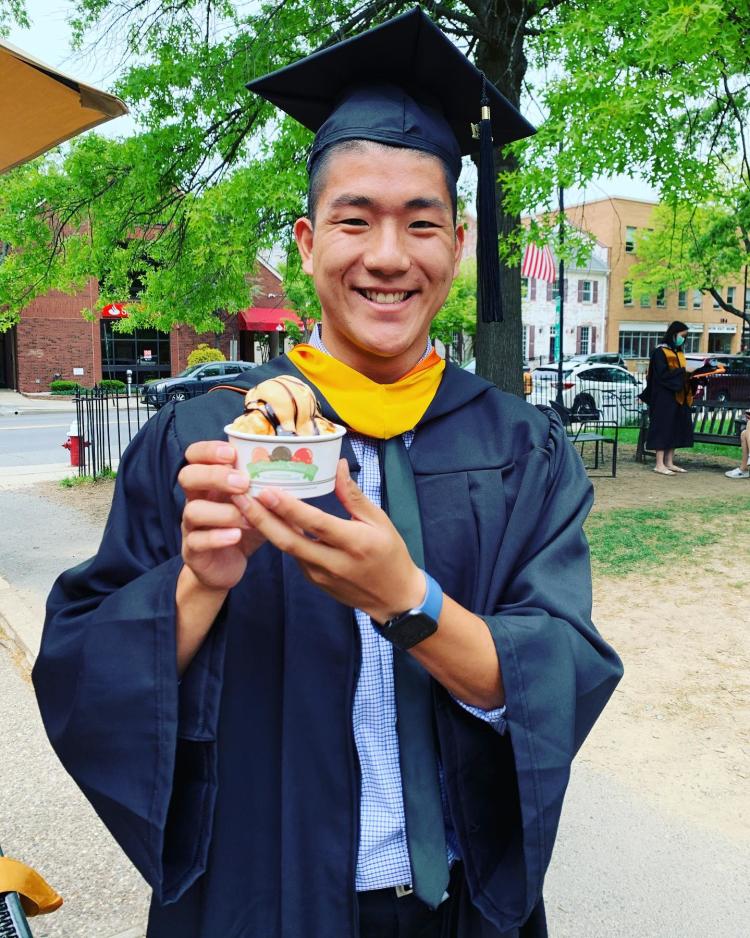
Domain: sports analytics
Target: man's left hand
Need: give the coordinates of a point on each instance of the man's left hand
(362, 562)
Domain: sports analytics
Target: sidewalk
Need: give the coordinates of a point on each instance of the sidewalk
(44, 818)
(47, 538)
(11, 403)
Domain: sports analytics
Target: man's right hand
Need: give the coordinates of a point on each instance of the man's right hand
(216, 537)
(216, 542)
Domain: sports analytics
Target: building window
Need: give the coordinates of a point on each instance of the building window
(584, 340)
(586, 291)
(697, 299)
(730, 296)
(692, 342)
(627, 293)
(524, 288)
(629, 240)
(638, 344)
(645, 301)
(715, 304)
(145, 352)
(720, 342)
(682, 299)
(661, 297)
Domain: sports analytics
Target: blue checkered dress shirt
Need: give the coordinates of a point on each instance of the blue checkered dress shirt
(383, 858)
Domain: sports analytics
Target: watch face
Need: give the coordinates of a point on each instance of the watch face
(408, 630)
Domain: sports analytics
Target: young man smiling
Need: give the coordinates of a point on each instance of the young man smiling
(353, 716)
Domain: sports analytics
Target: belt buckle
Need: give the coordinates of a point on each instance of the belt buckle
(402, 891)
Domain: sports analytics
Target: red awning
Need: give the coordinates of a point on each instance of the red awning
(267, 319)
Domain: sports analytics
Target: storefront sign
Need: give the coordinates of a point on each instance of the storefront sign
(114, 311)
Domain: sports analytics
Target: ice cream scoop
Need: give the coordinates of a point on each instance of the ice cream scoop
(282, 406)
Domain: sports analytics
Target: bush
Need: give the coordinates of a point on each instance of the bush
(64, 387)
(112, 384)
(204, 353)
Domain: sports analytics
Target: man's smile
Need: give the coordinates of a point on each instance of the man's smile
(386, 297)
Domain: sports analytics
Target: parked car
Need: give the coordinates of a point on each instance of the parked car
(598, 358)
(720, 386)
(609, 390)
(194, 380)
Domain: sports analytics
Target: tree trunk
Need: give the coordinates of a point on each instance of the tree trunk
(499, 346)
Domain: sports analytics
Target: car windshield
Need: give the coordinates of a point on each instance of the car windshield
(189, 370)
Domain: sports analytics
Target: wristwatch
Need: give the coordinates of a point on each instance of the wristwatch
(413, 626)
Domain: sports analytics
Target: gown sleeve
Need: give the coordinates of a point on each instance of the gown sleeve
(106, 676)
(558, 674)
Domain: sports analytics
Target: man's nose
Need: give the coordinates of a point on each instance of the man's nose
(386, 251)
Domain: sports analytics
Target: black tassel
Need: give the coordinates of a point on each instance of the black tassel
(488, 257)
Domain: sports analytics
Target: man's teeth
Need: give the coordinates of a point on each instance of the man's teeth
(376, 297)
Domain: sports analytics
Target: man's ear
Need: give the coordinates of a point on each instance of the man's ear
(458, 248)
(303, 235)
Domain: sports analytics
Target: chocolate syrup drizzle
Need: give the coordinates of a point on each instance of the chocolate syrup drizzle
(268, 412)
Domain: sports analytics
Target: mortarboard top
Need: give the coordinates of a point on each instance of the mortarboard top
(403, 83)
(349, 87)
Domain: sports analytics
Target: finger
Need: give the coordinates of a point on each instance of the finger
(352, 497)
(200, 513)
(201, 541)
(336, 532)
(201, 478)
(211, 451)
(285, 535)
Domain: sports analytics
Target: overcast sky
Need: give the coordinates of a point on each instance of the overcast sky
(48, 39)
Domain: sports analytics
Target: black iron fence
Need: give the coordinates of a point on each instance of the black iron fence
(613, 403)
(106, 422)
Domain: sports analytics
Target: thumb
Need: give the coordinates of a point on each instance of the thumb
(351, 495)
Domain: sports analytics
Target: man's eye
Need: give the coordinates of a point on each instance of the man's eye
(353, 221)
(423, 223)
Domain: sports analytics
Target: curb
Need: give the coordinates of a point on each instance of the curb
(19, 637)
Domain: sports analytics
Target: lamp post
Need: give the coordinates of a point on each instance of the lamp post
(560, 304)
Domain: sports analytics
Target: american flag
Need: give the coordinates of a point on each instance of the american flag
(538, 263)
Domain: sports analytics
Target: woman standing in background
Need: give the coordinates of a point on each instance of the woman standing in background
(669, 397)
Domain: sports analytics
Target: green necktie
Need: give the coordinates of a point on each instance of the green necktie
(425, 825)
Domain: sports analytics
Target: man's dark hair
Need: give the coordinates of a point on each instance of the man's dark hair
(318, 170)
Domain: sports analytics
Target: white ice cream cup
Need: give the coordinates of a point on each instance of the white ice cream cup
(304, 466)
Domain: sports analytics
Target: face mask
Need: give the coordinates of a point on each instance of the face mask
(679, 340)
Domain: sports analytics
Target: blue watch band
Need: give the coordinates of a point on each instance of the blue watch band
(432, 604)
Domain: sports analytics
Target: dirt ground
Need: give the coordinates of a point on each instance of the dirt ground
(678, 728)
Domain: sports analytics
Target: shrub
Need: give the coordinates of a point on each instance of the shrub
(204, 353)
(64, 387)
(112, 384)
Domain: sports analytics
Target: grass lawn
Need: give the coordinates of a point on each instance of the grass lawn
(623, 541)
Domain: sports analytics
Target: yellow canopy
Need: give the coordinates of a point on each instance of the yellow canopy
(41, 107)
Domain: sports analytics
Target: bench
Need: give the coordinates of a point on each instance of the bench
(712, 423)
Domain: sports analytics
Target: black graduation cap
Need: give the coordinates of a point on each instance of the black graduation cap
(406, 84)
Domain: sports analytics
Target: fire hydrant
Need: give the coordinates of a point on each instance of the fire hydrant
(74, 444)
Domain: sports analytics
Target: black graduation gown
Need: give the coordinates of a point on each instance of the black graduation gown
(235, 793)
(670, 423)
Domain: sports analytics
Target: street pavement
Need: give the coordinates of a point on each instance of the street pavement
(621, 868)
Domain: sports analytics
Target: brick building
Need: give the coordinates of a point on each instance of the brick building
(53, 339)
(635, 324)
